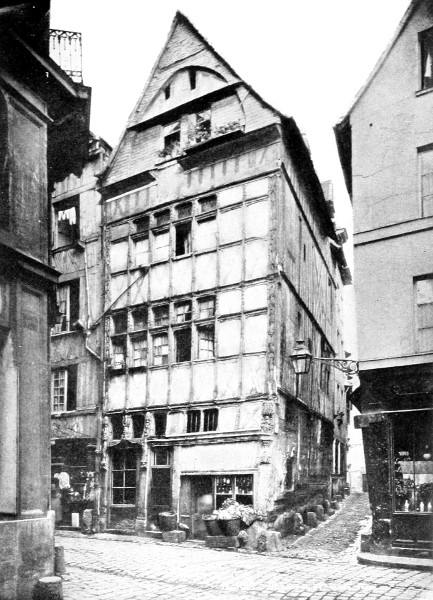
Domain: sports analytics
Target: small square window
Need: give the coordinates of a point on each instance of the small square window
(182, 341)
(183, 239)
(210, 419)
(160, 315)
(139, 318)
(426, 42)
(139, 351)
(206, 307)
(119, 322)
(193, 421)
(184, 210)
(66, 222)
(206, 342)
(162, 457)
(208, 203)
(162, 218)
(160, 349)
(141, 224)
(182, 311)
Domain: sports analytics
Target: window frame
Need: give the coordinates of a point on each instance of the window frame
(193, 421)
(69, 402)
(210, 419)
(72, 306)
(141, 361)
(204, 329)
(423, 36)
(179, 356)
(162, 355)
(61, 207)
(419, 345)
(124, 470)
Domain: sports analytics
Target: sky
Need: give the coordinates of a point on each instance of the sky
(307, 58)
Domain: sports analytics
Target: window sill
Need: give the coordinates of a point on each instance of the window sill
(117, 370)
(423, 92)
(138, 368)
(157, 367)
(59, 333)
(180, 256)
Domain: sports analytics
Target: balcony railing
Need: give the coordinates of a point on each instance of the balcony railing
(65, 50)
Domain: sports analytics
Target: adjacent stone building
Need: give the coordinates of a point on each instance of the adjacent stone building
(43, 137)
(220, 251)
(386, 149)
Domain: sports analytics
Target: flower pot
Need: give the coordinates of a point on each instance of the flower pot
(230, 527)
(212, 524)
(167, 521)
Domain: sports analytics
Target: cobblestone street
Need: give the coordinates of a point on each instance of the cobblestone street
(320, 566)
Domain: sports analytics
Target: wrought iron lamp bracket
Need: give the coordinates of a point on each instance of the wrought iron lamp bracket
(350, 367)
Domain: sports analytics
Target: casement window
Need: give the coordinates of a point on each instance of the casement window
(426, 183)
(237, 487)
(119, 322)
(118, 353)
(182, 312)
(141, 251)
(66, 222)
(424, 313)
(182, 344)
(160, 423)
(172, 139)
(124, 476)
(160, 315)
(161, 244)
(160, 349)
(64, 389)
(426, 46)
(68, 304)
(193, 421)
(210, 419)
(183, 239)
(139, 351)
(139, 318)
(207, 204)
(206, 233)
(206, 307)
(206, 341)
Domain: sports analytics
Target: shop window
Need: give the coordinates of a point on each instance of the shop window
(413, 461)
(182, 312)
(182, 345)
(210, 419)
(237, 487)
(206, 307)
(161, 243)
(124, 476)
(141, 252)
(118, 353)
(426, 174)
(139, 351)
(139, 318)
(68, 303)
(206, 342)
(193, 421)
(64, 389)
(160, 315)
(119, 322)
(183, 239)
(207, 204)
(184, 210)
(426, 43)
(160, 422)
(424, 313)
(117, 426)
(172, 139)
(66, 222)
(160, 349)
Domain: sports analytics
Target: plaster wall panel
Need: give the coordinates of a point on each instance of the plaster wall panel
(255, 333)
(218, 457)
(229, 378)
(118, 285)
(257, 188)
(204, 381)
(140, 290)
(180, 384)
(253, 375)
(158, 386)
(90, 213)
(118, 231)
(257, 219)
(255, 296)
(230, 265)
(176, 423)
(205, 271)
(117, 392)
(118, 256)
(250, 415)
(206, 234)
(230, 196)
(230, 226)
(229, 337)
(137, 388)
(227, 418)
(225, 111)
(181, 276)
(159, 282)
(93, 254)
(230, 302)
(256, 259)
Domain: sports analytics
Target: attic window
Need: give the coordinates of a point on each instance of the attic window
(192, 78)
(426, 43)
(167, 92)
(172, 139)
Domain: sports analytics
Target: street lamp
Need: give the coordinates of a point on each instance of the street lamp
(302, 357)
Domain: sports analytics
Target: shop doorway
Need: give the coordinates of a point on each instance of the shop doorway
(196, 500)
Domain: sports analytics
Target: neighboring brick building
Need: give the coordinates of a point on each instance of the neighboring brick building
(220, 252)
(43, 138)
(386, 149)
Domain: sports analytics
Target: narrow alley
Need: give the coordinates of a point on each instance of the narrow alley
(321, 565)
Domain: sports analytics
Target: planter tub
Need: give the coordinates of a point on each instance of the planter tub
(167, 521)
(212, 525)
(230, 527)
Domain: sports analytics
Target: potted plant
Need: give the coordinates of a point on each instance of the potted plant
(229, 517)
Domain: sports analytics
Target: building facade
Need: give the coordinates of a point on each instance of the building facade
(76, 344)
(385, 144)
(40, 107)
(220, 251)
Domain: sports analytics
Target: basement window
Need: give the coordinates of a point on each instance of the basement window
(210, 419)
(182, 343)
(193, 421)
(426, 43)
(183, 239)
